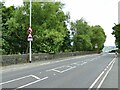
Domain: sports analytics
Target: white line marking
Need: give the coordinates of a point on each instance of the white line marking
(32, 82)
(105, 76)
(67, 69)
(111, 62)
(98, 77)
(56, 70)
(53, 69)
(105, 69)
(59, 67)
(75, 64)
(83, 63)
(69, 66)
(96, 80)
(35, 77)
(14, 80)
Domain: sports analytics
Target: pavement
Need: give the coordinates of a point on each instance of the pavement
(88, 71)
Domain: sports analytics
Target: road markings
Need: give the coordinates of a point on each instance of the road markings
(15, 80)
(20, 79)
(83, 63)
(96, 80)
(59, 67)
(32, 83)
(105, 76)
(67, 69)
(56, 70)
(35, 76)
(112, 62)
(59, 71)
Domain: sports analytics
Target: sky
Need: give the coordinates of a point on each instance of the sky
(95, 12)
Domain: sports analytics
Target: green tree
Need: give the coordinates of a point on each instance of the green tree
(98, 37)
(50, 27)
(116, 33)
(7, 13)
(87, 37)
(48, 24)
(81, 37)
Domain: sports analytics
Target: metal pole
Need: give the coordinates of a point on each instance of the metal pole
(30, 11)
(30, 52)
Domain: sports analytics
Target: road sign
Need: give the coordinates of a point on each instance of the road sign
(30, 30)
(30, 37)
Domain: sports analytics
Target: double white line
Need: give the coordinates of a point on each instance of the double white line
(111, 65)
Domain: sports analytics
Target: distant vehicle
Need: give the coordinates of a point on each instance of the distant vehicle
(113, 51)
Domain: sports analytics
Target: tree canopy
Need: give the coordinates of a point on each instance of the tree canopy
(87, 37)
(50, 30)
(116, 33)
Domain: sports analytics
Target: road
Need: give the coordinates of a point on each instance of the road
(89, 71)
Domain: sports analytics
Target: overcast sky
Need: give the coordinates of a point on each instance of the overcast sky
(95, 12)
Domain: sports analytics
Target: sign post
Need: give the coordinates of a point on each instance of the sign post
(30, 39)
(30, 36)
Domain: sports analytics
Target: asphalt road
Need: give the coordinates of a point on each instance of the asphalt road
(89, 71)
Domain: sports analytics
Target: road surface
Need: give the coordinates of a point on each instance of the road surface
(88, 71)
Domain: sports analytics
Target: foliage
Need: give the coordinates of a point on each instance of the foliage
(50, 31)
(85, 37)
(116, 33)
(98, 37)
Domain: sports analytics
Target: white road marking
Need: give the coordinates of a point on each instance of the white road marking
(101, 75)
(105, 69)
(69, 66)
(59, 67)
(67, 69)
(96, 80)
(20, 79)
(83, 63)
(105, 76)
(35, 76)
(75, 64)
(56, 70)
(15, 80)
(32, 82)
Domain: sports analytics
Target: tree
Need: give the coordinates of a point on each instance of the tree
(6, 15)
(98, 37)
(48, 24)
(50, 28)
(87, 37)
(81, 37)
(116, 33)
